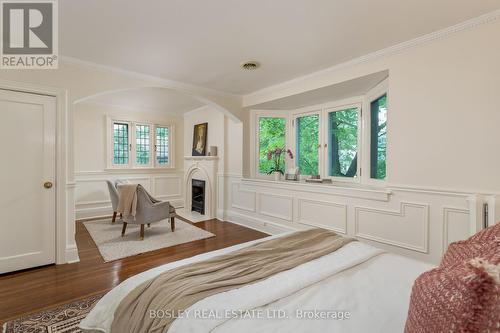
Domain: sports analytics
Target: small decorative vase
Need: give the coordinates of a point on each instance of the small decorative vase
(277, 176)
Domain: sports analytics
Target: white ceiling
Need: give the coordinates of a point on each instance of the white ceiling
(204, 42)
(336, 92)
(148, 99)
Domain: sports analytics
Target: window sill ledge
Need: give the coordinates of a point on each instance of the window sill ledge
(336, 188)
(128, 170)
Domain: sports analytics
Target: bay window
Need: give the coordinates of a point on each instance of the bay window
(336, 140)
(139, 145)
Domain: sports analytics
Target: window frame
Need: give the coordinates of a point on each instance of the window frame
(134, 145)
(375, 93)
(132, 162)
(170, 147)
(294, 126)
(362, 103)
(255, 139)
(342, 106)
(111, 150)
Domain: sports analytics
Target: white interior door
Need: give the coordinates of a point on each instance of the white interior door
(27, 180)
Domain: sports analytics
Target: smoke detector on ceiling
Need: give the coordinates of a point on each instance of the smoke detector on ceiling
(250, 65)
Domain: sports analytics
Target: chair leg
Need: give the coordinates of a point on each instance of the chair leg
(149, 225)
(142, 231)
(114, 217)
(172, 223)
(124, 228)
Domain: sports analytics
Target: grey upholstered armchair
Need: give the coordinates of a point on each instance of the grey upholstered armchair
(113, 194)
(149, 210)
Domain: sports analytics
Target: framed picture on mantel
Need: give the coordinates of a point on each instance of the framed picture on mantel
(200, 139)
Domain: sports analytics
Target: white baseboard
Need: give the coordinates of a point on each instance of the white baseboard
(256, 224)
(71, 255)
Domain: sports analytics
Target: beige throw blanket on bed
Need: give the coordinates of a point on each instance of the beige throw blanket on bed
(178, 289)
(127, 201)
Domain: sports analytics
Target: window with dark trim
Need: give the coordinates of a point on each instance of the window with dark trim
(378, 138)
(121, 146)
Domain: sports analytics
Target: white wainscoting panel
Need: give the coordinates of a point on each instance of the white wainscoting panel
(413, 222)
(92, 195)
(324, 214)
(456, 223)
(277, 206)
(167, 186)
(243, 199)
(407, 227)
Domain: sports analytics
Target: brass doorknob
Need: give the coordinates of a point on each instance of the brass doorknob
(48, 184)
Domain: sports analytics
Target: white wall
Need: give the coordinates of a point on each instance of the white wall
(92, 198)
(215, 137)
(443, 109)
(227, 135)
(77, 80)
(90, 150)
(443, 141)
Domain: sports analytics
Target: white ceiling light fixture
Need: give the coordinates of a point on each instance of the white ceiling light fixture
(250, 65)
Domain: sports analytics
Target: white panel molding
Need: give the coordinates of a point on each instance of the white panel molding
(258, 224)
(343, 207)
(351, 191)
(287, 217)
(155, 186)
(114, 172)
(252, 205)
(446, 222)
(414, 222)
(423, 247)
(93, 203)
(93, 185)
(105, 210)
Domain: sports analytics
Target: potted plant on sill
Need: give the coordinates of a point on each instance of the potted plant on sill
(277, 155)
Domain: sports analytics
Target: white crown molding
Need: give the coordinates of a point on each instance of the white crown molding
(259, 96)
(145, 77)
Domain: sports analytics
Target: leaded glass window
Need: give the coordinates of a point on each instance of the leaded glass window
(162, 145)
(142, 144)
(121, 143)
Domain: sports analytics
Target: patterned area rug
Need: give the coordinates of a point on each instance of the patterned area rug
(62, 319)
(113, 246)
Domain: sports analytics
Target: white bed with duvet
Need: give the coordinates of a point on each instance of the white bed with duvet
(357, 288)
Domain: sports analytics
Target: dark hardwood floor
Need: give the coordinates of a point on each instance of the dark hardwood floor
(40, 288)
